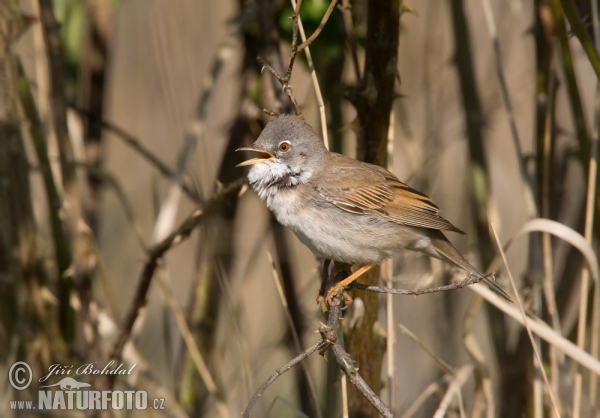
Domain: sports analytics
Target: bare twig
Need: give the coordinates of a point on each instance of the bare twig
(453, 286)
(345, 7)
(285, 78)
(329, 337)
(320, 28)
(157, 252)
(346, 364)
(319, 345)
(285, 85)
(294, 51)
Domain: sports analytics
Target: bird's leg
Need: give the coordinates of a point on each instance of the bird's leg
(332, 272)
(343, 283)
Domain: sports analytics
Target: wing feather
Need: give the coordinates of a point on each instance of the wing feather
(377, 191)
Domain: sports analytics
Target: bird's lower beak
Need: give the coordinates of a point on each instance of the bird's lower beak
(262, 156)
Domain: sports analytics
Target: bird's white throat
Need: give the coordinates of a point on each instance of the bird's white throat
(273, 175)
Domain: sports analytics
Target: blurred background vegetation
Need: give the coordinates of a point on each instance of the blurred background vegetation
(118, 119)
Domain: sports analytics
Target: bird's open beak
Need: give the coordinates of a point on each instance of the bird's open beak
(262, 156)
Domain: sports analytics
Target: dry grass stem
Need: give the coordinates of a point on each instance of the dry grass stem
(439, 361)
(420, 400)
(294, 331)
(315, 81)
(391, 333)
(524, 317)
(195, 354)
(344, 382)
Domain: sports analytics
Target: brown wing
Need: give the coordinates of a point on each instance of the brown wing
(364, 188)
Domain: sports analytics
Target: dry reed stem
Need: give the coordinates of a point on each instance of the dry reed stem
(345, 409)
(593, 168)
(483, 382)
(524, 317)
(542, 329)
(391, 333)
(420, 400)
(588, 234)
(459, 379)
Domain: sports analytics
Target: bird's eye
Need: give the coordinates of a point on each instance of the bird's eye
(284, 146)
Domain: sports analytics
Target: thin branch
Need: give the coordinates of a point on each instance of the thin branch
(286, 367)
(285, 85)
(329, 337)
(156, 253)
(285, 79)
(453, 286)
(345, 7)
(320, 28)
(294, 51)
(346, 364)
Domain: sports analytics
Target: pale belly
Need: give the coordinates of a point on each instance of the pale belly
(342, 236)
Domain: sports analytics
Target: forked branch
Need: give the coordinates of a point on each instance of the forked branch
(285, 78)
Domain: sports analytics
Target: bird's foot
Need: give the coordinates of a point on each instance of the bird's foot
(339, 286)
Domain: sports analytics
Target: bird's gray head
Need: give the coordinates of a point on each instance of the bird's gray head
(289, 153)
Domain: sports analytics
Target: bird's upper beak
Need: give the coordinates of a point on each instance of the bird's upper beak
(262, 156)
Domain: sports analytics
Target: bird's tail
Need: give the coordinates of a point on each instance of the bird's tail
(446, 252)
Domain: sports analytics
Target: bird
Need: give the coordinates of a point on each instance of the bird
(343, 209)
